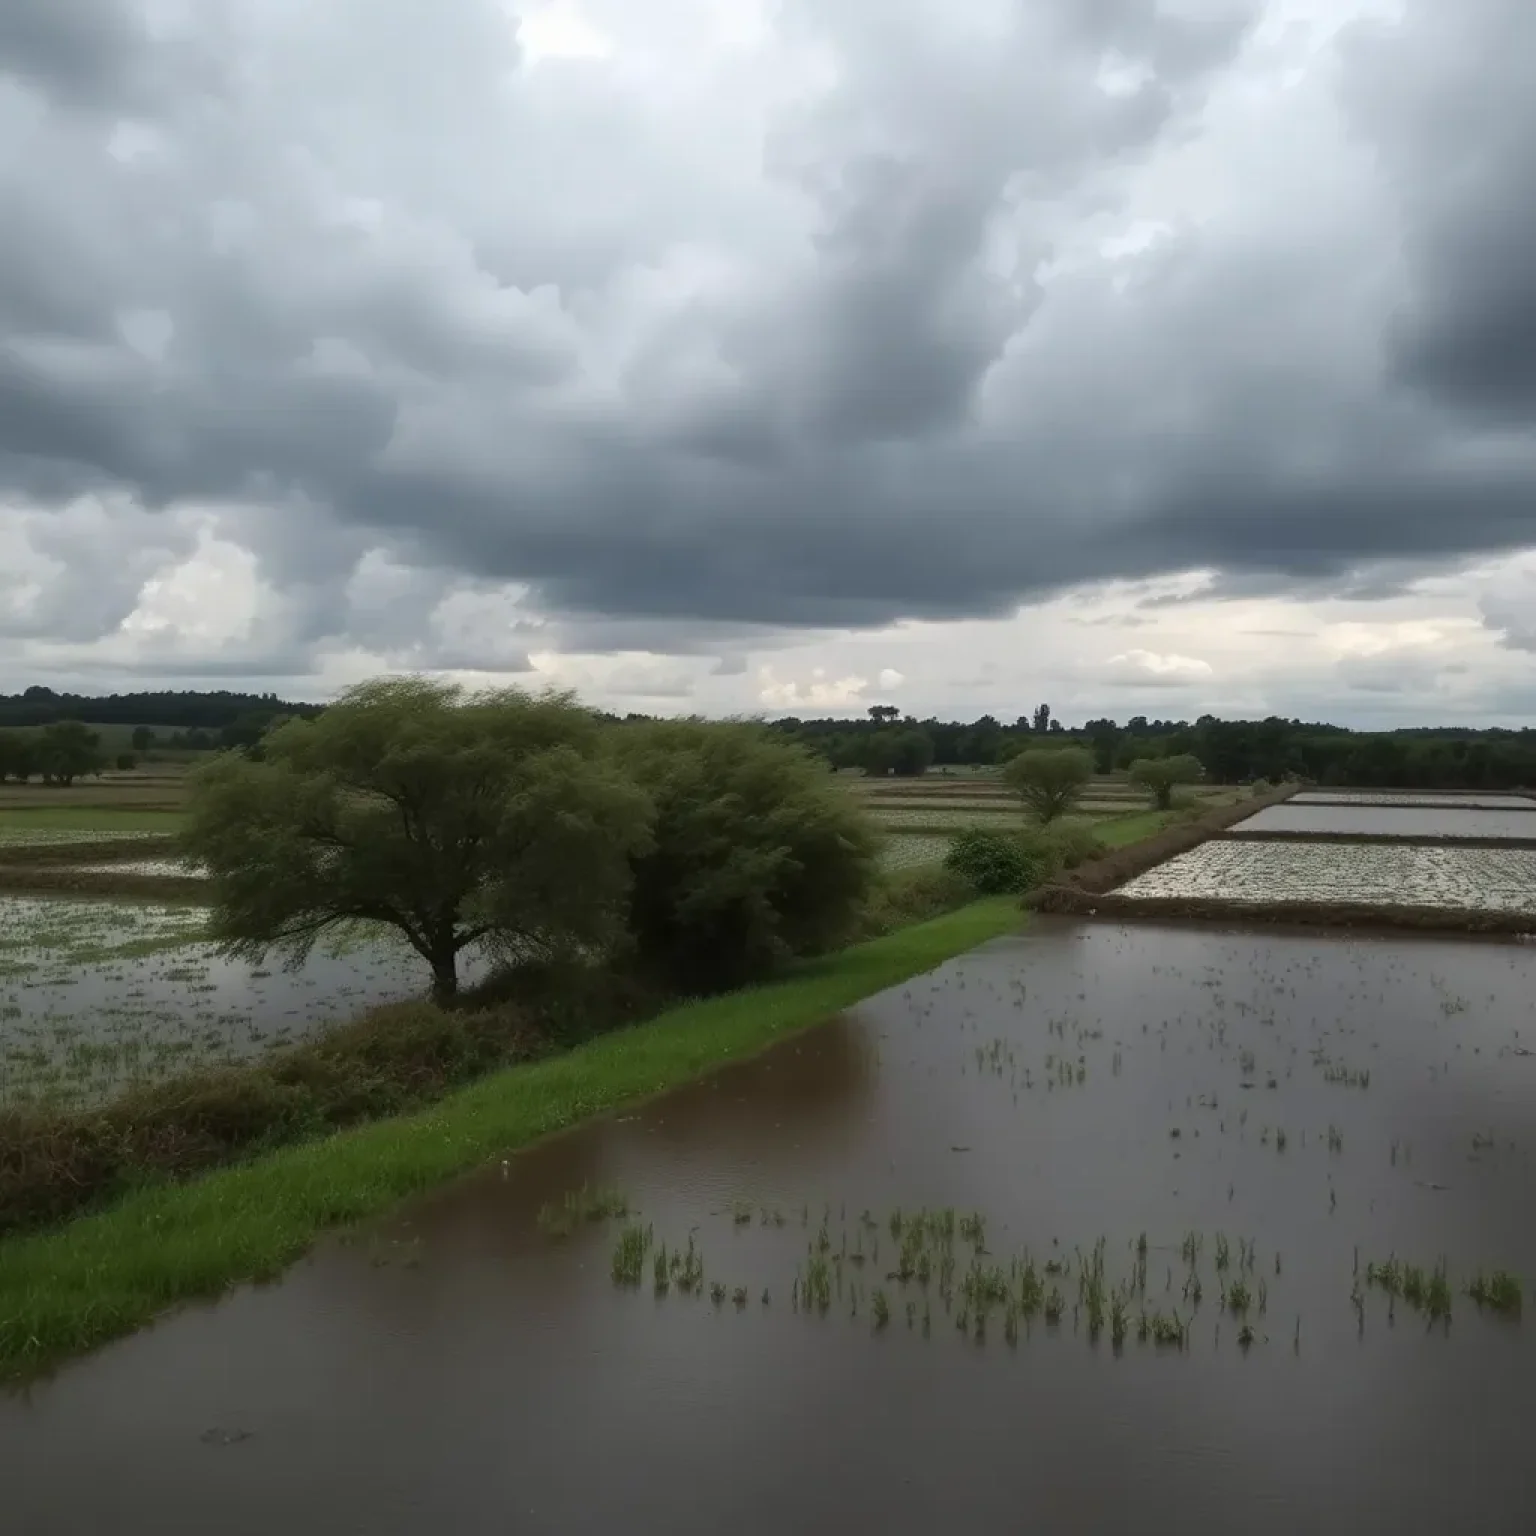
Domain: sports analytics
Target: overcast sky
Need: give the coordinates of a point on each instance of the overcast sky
(1143, 356)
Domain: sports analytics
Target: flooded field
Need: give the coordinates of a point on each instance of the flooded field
(1477, 800)
(95, 995)
(1097, 1229)
(1378, 874)
(1397, 821)
(47, 837)
(907, 850)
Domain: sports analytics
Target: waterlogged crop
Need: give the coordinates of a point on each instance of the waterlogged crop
(1375, 874)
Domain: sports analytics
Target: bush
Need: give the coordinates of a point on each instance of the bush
(902, 897)
(1066, 845)
(757, 855)
(1006, 863)
(125, 761)
(994, 863)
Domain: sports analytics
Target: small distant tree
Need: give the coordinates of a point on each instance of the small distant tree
(883, 714)
(143, 738)
(1042, 719)
(1049, 780)
(68, 750)
(1160, 776)
(126, 761)
(756, 857)
(453, 818)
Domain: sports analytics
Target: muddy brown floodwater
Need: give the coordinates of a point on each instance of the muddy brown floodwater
(1280, 1101)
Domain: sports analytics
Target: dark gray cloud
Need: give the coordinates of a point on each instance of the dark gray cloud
(1446, 100)
(785, 345)
(84, 50)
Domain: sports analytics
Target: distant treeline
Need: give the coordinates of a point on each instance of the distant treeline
(207, 712)
(1231, 751)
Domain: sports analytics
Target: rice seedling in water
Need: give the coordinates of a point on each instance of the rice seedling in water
(880, 1310)
(717, 1293)
(629, 1255)
(579, 1206)
(686, 1268)
(1117, 1320)
(1425, 1291)
(973, 1230)
(1498, 1292)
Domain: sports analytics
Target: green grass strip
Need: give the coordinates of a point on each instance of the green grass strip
(75, 1287)
(1121, 831)
(16, 819)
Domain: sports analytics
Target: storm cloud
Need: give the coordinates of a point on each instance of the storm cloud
(700, 324)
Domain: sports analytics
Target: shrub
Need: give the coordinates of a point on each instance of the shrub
(757, 856)
(994, 863)
(1005, 863)
(902, 897)
(1066, 845)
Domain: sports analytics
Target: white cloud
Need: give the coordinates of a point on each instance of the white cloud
(1156, 668)
(818, 692)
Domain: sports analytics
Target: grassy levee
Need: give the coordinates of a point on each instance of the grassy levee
(73, 1287)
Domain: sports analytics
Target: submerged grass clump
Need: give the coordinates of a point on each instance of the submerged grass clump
(561, 1218)
(1499, 1291)
(630, 1253)
(1427, 1291)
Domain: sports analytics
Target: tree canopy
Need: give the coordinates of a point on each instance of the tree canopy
(453, 818)
(1049, 780)
(1160, 776)
(755, 856)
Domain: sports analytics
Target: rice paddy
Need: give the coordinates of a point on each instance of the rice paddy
(1474, 800)
(97, 996)
(1381, 874)
(912, 850)
(1395, 821)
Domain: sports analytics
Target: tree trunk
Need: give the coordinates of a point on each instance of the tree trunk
(445, 979)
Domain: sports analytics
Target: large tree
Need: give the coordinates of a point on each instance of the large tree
(757, 855)
(453, 818)
(68, 750)
(1049, 780)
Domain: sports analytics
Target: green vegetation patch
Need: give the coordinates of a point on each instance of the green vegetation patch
(18, 824)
